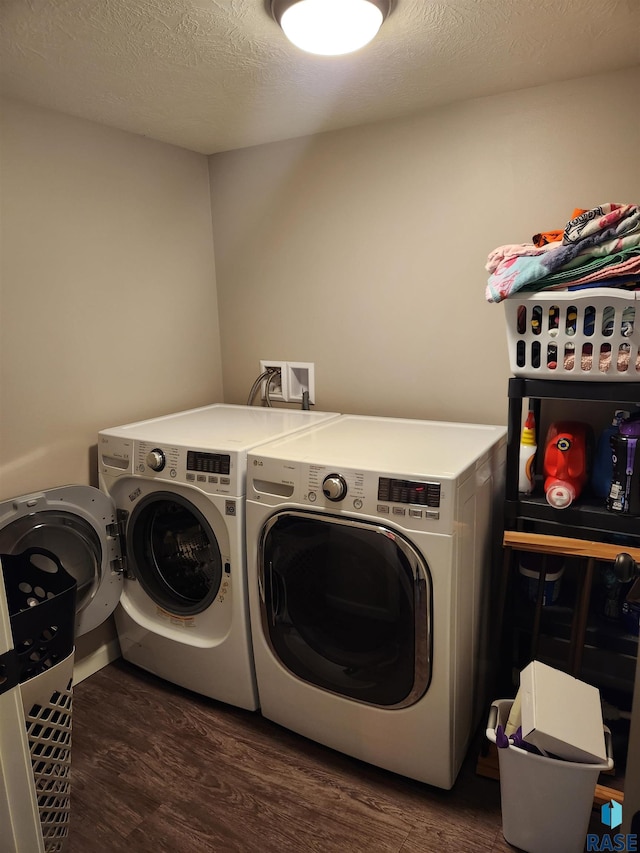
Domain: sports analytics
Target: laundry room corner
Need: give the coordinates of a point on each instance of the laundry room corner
(98, 225)
(363, 250)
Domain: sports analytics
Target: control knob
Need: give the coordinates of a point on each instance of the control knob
(156, 459)
(334, 487)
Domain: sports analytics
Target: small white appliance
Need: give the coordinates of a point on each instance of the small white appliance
(369, 545)
(164, 538)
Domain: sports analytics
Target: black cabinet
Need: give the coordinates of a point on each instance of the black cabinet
(579, 632)
(572, 633)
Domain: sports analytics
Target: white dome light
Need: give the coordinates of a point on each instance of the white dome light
(330, 27)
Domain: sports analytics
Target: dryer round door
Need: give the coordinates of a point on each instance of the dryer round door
(72, 522)
(346, 606)
(174, 553)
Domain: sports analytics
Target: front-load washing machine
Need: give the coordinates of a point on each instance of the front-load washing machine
(369, 546)
(164, 538)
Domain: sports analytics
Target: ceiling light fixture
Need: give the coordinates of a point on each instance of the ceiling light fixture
(330, 27)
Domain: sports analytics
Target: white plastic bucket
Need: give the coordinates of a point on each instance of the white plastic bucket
(546, 802)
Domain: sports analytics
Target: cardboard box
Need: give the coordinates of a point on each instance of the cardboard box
(561, 715)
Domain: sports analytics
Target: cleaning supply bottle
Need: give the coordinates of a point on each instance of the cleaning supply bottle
(567, 453)
(528, 447)
(602, 472)
(624, 494)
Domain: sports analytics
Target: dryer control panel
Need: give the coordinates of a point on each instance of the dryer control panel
(414, 503)
(409, 492)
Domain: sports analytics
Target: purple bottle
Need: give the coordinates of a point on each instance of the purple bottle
(624, 494)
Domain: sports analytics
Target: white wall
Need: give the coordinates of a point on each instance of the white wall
(108, 301)
(363, 250)
(109, 310)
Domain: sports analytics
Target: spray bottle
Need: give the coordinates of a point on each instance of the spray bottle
(528, 447)
(624, 495)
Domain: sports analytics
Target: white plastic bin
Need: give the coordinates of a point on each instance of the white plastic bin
(37, 615)
(546, 802)
(589, 334)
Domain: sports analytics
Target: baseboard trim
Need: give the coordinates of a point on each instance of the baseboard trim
(96, 660)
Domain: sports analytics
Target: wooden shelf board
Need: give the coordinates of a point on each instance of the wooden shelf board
(543, 543)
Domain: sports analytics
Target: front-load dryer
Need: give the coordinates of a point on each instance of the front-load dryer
(161, 542)
(369, 546)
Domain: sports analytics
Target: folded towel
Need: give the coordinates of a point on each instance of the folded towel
(597, 233)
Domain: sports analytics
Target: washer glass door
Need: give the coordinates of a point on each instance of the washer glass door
(77, 525)
(71, 538)
(174, 552)
(346, 606)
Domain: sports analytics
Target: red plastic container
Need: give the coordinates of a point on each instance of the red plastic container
(567, 457)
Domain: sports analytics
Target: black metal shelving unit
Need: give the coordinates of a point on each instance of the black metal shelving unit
(574, 626)
(587, 518)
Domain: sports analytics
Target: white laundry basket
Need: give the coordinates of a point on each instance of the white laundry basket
(590, 335)
(40, 597)
(546, 802)
(47, 706)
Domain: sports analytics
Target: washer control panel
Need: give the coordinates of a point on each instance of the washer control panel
(213, 473)
(209, 463)
(156, 460)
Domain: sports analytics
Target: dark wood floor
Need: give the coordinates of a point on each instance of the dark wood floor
(156, 768)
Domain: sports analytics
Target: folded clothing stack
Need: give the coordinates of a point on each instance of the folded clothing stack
(598, 248)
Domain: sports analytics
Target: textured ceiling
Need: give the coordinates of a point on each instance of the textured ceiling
(212, 75)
